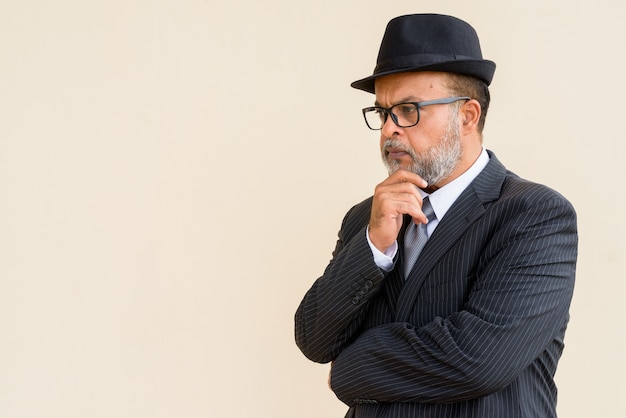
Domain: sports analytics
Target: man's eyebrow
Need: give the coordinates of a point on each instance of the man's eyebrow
(408, 99)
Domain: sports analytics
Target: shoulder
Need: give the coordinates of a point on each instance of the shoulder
(498, 185)
(535, 208)
(355, 221)
(520, 191)
(357, 217)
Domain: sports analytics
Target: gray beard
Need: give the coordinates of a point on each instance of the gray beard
(436, 163)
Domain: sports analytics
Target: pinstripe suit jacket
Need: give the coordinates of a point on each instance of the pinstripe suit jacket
(477, 328)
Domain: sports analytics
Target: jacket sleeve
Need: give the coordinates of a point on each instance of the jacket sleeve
(331, 312)
(517, 307)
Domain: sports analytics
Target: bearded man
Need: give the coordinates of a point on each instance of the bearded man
(449, 289)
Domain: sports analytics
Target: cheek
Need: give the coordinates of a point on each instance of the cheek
(421, 141)
(382, 141)
(427, 135)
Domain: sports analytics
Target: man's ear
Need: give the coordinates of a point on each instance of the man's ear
(470, 115)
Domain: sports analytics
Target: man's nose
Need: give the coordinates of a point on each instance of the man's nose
(389, 128)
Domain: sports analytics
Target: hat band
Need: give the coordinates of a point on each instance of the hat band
(412, 61)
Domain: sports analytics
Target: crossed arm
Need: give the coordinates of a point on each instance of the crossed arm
(515, 310)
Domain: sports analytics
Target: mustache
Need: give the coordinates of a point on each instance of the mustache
(397, 145)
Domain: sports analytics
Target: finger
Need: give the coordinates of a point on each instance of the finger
(406, 199)
(405, 176)
(420, 219)
(402, 200)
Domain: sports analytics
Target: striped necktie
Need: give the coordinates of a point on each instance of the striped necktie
(415, 238)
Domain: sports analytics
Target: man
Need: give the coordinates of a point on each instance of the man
(474, 327)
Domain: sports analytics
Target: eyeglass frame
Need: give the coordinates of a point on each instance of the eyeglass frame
(418, 105)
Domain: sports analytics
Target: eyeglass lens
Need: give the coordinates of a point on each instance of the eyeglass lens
(404, 115)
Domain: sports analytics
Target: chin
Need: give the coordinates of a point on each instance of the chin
(393, 166)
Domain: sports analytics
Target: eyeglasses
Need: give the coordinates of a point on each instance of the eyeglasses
(404, 115)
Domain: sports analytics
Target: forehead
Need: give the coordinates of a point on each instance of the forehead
(416, 86)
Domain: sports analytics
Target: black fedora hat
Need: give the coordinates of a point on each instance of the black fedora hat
(429, 42)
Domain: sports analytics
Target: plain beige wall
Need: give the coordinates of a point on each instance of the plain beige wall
(173, 174)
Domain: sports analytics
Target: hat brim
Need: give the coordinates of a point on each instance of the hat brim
(481, 69)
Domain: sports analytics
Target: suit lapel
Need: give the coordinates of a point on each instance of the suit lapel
(469, 207)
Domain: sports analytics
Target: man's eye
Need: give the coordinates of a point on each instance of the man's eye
(407, 109)
(381, 113)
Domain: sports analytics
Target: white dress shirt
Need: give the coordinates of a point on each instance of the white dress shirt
(441, 200)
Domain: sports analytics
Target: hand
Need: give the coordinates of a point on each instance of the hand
(393, 198)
